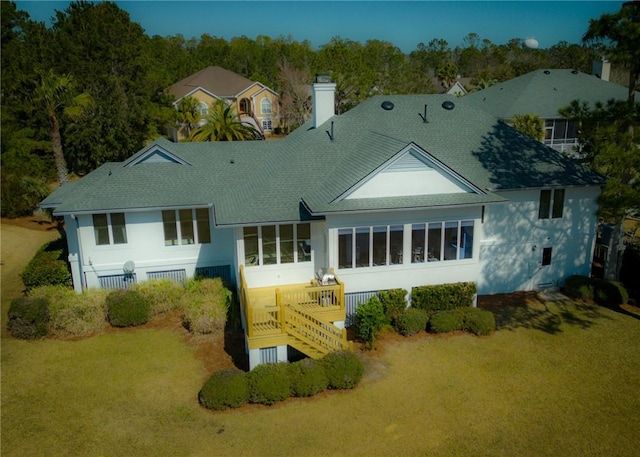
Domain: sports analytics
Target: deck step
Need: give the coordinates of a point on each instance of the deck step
(305, 348)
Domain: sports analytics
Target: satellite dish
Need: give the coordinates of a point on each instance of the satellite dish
(128, 267)
(531, 43)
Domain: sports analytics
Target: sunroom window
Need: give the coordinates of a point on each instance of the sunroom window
(277, 244)
(451, 240)
(362, 247)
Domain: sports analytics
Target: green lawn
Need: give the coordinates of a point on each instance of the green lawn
(559, 380)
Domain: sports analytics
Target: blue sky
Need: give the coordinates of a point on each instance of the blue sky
(403, 23)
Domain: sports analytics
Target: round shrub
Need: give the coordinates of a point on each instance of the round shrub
(227, 388)
(163, 294)
(393, 303)
(269, 383)
(479, 321)
(580, 287)
(47, 267)
(28, 317)
(411, 321)
(447, 321)
(610, 293)
(126, 308)
(343, 368)
(307, 378)
(205, 305)
(369, 320)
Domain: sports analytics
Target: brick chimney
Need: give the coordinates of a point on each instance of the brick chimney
(601, 68)
(323, 108)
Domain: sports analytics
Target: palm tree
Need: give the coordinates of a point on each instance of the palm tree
(188, 115)
(447, 74)
(223, 124)
(529, 124)
(621, 29)
(58, 96)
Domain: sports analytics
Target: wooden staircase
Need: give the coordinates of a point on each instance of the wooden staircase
(311, 335)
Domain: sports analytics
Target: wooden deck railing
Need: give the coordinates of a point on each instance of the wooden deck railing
(297, 313)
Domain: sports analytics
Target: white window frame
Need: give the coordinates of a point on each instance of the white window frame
(109, 229)
(266, 107)
(267, 125)
(178, 226)
(296, 242)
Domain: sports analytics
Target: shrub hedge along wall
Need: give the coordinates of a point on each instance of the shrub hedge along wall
(443, 296)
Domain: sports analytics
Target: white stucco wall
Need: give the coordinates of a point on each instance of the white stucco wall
(514, 239)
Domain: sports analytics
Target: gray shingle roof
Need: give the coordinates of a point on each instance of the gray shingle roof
(271, 181)
(544, 92)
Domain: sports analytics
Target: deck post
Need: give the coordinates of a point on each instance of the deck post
(280, 305)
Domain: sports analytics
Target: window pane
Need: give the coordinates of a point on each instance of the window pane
(119, 229)
(572, 128)
(560, 132)
(395, 244)
(345, 248)
(286, 244)
(379, 245)
(558, 203)
(269, 255)
(466, 241)
(100, 229)
(545, 204)
(251, 255)
(362, 247)
(451, 240)
(186, 226)
(170, 229)
(304, 242)
(417, 242)
(435, 242)
(204, 229)
(546, 256)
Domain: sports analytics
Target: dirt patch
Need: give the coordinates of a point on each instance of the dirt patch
(39, 223)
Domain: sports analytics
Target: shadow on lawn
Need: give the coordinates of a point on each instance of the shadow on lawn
(529, 310)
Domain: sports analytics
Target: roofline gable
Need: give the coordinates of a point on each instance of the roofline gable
(150, 150)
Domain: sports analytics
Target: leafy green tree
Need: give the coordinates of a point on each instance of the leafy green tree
(224, 124)
(530, 124)
(609, 139)
(58, 97)
(623, 30)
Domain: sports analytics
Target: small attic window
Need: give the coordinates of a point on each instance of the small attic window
(448, 105)
(387, 105)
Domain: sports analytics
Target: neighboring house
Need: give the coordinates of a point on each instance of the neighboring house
(457, 88)
(256, 104)
(377, 198)
(544, 92)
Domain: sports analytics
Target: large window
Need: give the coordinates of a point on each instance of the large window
(558, 131)
(186, 226)
(109, 228)
(451, 240)
(277, 244)
(267, 125)
(265, 106)
(551, 203)
(361, 247)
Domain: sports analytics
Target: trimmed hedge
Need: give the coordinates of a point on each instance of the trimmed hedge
(474, 320)
(227, 388)
(205, 305)
(443, 296)
(579, 287)
(393, 302)
(126, 308)
(307, 378)
(269, 383)
(163, 294)
(48, 267)
(343, 368)
(447, 321)
(479, 321)
(369, 320)
(605, 293)
(28, 317)
(411, 321)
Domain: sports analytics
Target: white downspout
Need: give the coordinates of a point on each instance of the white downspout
(77, 261)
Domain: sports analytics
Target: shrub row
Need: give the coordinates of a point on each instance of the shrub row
(411, 321)
(273, 382)
(443, 296)
(605, 293)
(204, 304)
(474, 320)
(48, 267)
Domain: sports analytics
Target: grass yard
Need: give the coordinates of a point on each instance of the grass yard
(557, 378)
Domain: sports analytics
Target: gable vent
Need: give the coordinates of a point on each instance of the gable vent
(409, 162)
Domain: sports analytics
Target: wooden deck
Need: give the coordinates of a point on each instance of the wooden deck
(265, 309)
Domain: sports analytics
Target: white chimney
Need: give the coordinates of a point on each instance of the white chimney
(602, 69)
(323, 107)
